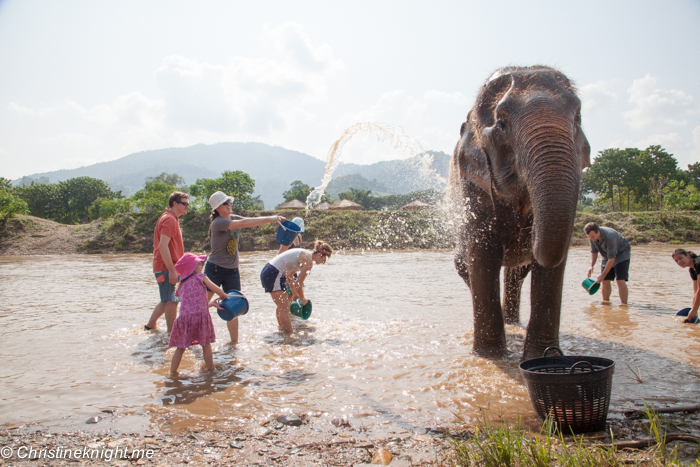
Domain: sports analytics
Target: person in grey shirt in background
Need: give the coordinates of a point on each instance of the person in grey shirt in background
(222, 264)
(615, 250)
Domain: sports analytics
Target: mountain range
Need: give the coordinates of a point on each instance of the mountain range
(272, 167)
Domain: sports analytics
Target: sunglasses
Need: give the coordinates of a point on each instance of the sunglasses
(227, 203)
(184, 204)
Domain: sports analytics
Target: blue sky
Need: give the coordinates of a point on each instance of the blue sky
(85, 81)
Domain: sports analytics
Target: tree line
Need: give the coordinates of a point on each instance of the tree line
(299, 190)
(84, 199)
(640, 180)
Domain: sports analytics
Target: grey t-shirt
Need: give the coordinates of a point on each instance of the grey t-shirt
(611, 245)
(224, 243)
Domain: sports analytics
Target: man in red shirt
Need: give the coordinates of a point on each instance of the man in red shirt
(167, 249)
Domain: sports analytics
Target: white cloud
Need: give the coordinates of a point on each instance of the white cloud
(245, 99)
(654, 106)
(597, 97)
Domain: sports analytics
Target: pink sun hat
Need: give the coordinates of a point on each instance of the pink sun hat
(186, 265)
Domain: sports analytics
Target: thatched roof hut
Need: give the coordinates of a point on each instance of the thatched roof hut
(323, 206)
(416, 205)
(293, 204)
(346, 205)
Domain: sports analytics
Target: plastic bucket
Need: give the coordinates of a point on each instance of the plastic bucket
(234, 306)
(685, 312)
(287, 232)
(590, 285)
(302, 311)
(574, 390)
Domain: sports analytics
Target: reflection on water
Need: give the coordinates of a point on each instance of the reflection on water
(389, 340)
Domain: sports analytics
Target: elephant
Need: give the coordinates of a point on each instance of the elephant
(514, 186)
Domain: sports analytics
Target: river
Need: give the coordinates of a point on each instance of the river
(389, 341)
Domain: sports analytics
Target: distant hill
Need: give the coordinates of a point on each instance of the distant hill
(401, 176)
(272, 167)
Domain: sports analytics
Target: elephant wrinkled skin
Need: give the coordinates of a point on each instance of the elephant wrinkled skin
(514, 185)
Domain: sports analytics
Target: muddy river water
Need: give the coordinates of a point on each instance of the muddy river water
(389, 340)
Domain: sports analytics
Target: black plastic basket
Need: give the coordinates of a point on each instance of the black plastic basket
(573, 390)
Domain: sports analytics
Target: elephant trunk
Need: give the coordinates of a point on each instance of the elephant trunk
(553, 176)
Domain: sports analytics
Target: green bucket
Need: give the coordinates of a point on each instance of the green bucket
(302, 311)
(590, 285)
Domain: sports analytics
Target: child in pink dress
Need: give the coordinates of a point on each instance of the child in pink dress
(193, 325)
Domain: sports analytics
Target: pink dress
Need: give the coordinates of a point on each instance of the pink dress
(194, 322)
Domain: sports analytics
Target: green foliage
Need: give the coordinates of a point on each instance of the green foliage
(361, 197)
(153, 196)
(108, 208)
(679, 196)
(5, 184)
(632, 179)
(168, 179)
(10, 204)
(297, 190)
(234, 183)
(67, 202)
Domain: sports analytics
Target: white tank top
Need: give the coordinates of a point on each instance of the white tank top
(288, 262)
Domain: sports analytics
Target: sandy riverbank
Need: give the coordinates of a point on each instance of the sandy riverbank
(313, 442)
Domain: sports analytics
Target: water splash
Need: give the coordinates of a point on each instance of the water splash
(385, 133)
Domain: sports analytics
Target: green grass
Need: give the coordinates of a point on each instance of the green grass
(511, 446)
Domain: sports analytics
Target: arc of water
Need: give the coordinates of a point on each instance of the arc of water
(385, 132)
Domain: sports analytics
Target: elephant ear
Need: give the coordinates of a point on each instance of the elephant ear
(471, 161)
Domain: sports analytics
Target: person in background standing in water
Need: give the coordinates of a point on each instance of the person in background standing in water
(296, 243)
(616, 252)
(222, 266)
(280, 271)
(688, 259)
(167, 250)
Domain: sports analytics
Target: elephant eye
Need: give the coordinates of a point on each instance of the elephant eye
(501, 124)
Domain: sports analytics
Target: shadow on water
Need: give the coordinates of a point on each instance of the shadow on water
(187, 391)
(640, 374)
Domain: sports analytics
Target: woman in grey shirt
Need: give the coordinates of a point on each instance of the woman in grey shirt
(222, 265)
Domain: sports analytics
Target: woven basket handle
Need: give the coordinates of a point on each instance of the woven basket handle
(580, 364)
(544, 354)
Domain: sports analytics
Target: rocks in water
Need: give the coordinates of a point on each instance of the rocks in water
(290, 420)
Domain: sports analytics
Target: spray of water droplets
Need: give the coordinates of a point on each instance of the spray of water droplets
(420, 161)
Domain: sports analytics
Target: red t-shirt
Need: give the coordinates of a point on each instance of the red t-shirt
(168, 225)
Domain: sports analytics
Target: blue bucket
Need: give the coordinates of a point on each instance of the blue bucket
(234, 306)
(287, 232)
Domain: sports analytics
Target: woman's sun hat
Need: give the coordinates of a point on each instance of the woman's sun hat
(219, 198)
(186, 265)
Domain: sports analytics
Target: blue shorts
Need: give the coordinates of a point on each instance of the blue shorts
(619, 271)
(166, 289)
(272, 279)
(227, 279)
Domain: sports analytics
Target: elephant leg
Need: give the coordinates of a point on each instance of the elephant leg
(461, 267)
(484, 268)
(545, 294)
(513, 282)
